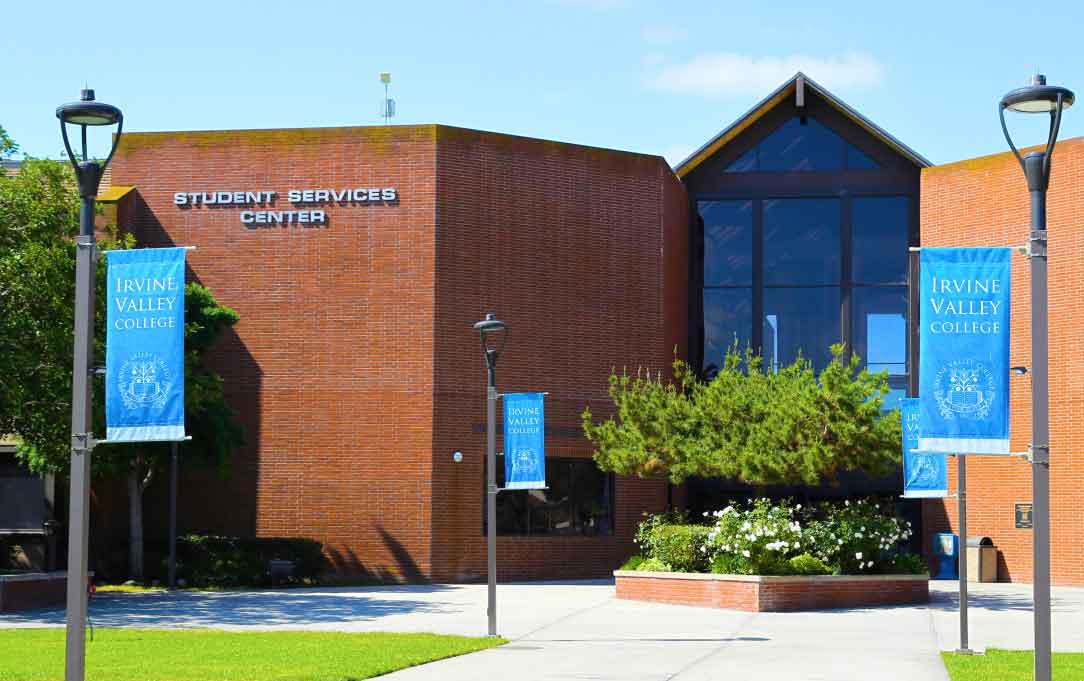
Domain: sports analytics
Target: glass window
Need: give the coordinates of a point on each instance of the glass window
(728, 315)
(801, 241)
(879, 245)
(578, 501)
(800, 320)
(728, 242)
(880, 328)
(801, 146)
(856, 160)
(746, 163)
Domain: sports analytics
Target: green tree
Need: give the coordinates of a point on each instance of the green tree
(761, 427)
(39, 210)
(8, 147)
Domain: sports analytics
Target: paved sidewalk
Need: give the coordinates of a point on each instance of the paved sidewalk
(1000, 616)
(578, 630)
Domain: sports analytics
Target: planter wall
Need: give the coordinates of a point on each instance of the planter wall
(32, 590)
(772, 594)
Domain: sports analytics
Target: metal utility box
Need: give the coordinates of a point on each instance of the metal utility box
(946, 549)
(981, 560)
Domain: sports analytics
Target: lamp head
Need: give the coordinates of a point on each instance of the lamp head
(492, 330)
(87, 111)
(1038, 97)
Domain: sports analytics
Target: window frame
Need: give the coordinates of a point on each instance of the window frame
(610, 490)
(846, 283)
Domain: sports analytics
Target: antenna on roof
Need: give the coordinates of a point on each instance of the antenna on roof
(387, 105)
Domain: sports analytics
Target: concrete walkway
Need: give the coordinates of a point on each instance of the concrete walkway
(578, 630)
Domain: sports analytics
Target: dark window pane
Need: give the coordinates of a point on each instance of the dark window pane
(804, 320)
(728, 315)
(801, 241)
(728, 242)
(591, 499)
(578, 501)
(801, 147)
(746, 163)
(880, 239)
(880, 328)
(856, 160)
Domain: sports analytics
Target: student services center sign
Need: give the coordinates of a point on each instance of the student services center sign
(308, 205)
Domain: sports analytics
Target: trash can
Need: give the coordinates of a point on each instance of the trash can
(946, 550)
(981, 560)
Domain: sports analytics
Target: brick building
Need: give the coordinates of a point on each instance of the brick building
(984, 202)
(355, 368)
(357, 375)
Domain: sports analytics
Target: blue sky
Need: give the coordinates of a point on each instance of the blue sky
(654, 77)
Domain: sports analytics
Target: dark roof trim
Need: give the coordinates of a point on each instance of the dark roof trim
(772, 100)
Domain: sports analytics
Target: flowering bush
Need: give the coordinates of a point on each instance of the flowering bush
(781, 538)
(858, 537)
(756, 541)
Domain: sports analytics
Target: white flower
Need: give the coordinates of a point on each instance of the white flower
(798, 507)
(746, 525)
(858, 556)
(863, 528)
(846, 502)
(751, 537)
(858, 534)
(745, 553)
(840, 541)
(705, 514)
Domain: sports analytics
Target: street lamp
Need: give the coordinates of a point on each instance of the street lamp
(1037, 98)
(494, 335)
(84, 113)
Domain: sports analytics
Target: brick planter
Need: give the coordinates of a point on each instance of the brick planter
(32, 590)
(772, 594)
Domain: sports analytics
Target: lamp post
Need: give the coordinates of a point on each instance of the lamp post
(86, 112)
(1037, 98)
(494, 335)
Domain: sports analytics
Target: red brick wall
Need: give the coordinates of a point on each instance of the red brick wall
(771, 594)
(354, 367)
(579, 250)
(985, 202)
(330, 367)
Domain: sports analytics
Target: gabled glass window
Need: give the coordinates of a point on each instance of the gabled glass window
(802, 144)
(776, 276)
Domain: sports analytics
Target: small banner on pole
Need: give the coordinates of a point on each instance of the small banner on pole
(524, 441)
(144, 356)
(924, 475)
(964, 350)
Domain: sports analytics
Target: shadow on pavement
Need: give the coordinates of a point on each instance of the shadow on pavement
(943, 600)
(233, 608)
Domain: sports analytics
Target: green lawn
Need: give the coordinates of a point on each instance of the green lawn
(1011, 665)
(208, 655)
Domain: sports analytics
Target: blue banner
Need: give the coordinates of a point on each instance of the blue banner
(524, 441)
(144, 355)
(964, 350)
(924, 474)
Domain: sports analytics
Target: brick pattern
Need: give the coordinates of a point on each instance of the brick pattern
(568, 245)
(354, 367)
(985, 202)
(770, 594)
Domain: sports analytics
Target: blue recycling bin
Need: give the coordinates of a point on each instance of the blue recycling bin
(946, 548)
